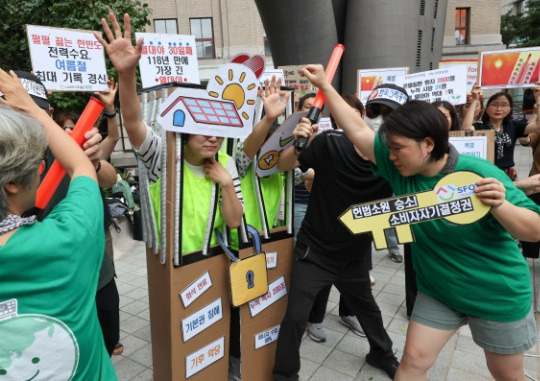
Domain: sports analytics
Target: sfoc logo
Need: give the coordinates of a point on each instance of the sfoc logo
(451, 192)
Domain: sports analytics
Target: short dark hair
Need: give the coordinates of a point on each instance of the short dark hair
(354, 102)
(418, 120)
(303, 99)
(454, 124)
(508, 118)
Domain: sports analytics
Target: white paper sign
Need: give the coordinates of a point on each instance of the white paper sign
(448, 84)
(269, 73)
(368, 79)
(271, 260)
(276, 290)
(67, 59)
(196, 289)
(472, 70)
(202, 319)
(280, 140)
(470, 145)
(266, 337)
(168, 58)
(324, 125)
(204, 357)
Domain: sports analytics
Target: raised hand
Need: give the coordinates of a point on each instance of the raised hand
(123, 55)
(315, 75)
(15, 94)
(108, 97)
(274, 106)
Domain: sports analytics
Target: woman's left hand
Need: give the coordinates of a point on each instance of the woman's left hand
(490, 191)
(214, 171)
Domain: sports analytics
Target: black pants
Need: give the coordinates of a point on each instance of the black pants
(319, 306)
(108, 309)
(310, 274)
(532, 249)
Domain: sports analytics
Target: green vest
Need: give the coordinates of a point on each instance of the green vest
(272, 187)
(196, 207)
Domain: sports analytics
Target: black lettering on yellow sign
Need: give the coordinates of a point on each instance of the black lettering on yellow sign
(452, 198)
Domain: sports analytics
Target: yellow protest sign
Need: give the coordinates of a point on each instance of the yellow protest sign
(452, 198)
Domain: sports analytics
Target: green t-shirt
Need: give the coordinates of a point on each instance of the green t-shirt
(476, 269)
(49, 273)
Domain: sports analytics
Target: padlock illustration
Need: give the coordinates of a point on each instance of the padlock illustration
(250, 279)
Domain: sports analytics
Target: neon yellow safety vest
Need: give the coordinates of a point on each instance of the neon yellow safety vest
(196, 206)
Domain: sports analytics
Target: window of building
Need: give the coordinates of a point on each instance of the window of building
(203, 31)
(167, 26)
(462, 26)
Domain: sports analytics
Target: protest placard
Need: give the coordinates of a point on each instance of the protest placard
(509, 68)
(67, 59)
(448, 84)
(269, 73)
(472, 69)
(167, 58)
(368, 79)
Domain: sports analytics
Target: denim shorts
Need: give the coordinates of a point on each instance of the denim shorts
(495, 336)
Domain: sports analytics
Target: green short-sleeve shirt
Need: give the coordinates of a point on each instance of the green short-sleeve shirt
(476, 269)
(49, 273)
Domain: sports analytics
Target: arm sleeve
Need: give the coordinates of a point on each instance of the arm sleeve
(520, 127)
(150, 154)
(231, 168)
(242, 161)
(309, 157)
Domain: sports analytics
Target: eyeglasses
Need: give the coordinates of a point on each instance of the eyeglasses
(42, 165)
(501, 105)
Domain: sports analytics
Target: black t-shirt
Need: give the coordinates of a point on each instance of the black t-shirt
(342, 179)
(504, 149)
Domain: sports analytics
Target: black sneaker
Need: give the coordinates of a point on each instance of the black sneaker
(388, 364)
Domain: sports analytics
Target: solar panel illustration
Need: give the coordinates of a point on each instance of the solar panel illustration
(212, 112)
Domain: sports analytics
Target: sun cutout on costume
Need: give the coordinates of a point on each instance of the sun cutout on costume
(225, 108)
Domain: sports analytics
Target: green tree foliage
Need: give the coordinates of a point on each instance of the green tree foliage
(523, 29)
(75, 14)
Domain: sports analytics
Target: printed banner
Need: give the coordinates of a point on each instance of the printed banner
(168, 58)
(269, 73)
(448, 84)
(368, 79)
(471, 145)
(67, 59)
(202, 319)
(509, 68)
(196, 289)
(204, 357)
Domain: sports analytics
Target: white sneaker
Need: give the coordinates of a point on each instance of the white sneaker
(353, 324)
(371, 280)
(316, 332)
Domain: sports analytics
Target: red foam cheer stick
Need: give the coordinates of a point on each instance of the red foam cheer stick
(55, 174)
(318, 102)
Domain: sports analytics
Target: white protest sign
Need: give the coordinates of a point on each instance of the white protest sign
(269, 73)
(368, 79)
(471, 145)
(225, 108)
(276, 290)
(202, 319)
(472, 69)
(266, 337)
(67, 59)
(204, 357)
(168, 58)
(281, 139)
(448, 84)
(196, 289)
(271, 260)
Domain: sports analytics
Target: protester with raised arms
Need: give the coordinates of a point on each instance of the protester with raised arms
(479, 277)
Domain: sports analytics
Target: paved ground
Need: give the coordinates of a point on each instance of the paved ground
(342, 356)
